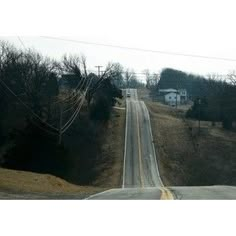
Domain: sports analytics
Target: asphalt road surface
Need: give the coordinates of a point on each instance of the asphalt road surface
(178, 193)
(141, 178)
(140, 165)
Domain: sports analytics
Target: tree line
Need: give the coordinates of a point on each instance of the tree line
(213, 96)
(41, 98)
(39, 85)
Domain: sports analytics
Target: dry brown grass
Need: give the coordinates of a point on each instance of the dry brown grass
(109, 167)
(172, 142)
(143, 94)
(29, 182)
(120, 102)
(111, 159)
(187, 158)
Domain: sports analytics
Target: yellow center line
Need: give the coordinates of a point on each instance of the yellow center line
(166, 194)
(139, 151)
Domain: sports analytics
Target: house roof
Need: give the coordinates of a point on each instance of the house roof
(167, 90)
(171, 93)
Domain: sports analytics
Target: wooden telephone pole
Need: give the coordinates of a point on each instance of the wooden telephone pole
(176, 104)
(60, 126)
(199, 115)
(98, 70)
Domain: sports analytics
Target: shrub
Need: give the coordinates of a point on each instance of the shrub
(101, 109)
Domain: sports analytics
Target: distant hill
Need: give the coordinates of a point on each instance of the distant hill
(197, 86)
(213, 99)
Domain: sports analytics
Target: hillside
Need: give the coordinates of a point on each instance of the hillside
(187, 158)
(106, 168)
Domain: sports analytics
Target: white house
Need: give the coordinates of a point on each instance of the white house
(164, 91)
(172, 98)
(183, 95)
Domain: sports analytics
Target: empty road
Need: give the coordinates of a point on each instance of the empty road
(141, 178)
(140, 165)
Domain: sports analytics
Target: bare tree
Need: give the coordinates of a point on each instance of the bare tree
(129, 75)
(231, 77)
(28, 79)
(97, 82)
(76, 66)
(117, 74)
(151, 79)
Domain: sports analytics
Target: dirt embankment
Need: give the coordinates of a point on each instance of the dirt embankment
(111, 159)
(187, 157)
(29, 182)
(105, 171)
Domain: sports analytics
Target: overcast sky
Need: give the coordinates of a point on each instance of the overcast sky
(204, 28)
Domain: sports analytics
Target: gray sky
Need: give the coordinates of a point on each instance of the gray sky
(190, 27)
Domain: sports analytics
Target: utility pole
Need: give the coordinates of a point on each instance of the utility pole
(60, 126)
(128, 81)
(98, 70)
(199, 115)
(176, 104)
(21, 42)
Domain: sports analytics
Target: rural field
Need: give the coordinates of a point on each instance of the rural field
(188, 158)
(82, 131)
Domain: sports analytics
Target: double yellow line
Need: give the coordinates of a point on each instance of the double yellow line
(165, 192)
(139, 151)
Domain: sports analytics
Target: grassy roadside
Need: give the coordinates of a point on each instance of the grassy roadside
(109, 164)
(171, 142)
(187, 158)
(29, 182)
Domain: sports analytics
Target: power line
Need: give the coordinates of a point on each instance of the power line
(143, 50)
(123, 72)
(44, 129)
(54, 130)
(72, 106)
(27, 107)
(74, 115)
(21, 42)
(78, 87)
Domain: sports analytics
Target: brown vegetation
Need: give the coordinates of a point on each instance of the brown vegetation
(187, 158)
(55, 116)
(110, 164)
(107, 167)
(29, 182)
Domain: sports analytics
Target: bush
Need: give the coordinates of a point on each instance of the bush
(101, 109)
(103, 100)
(227, 123)
(34, 151)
